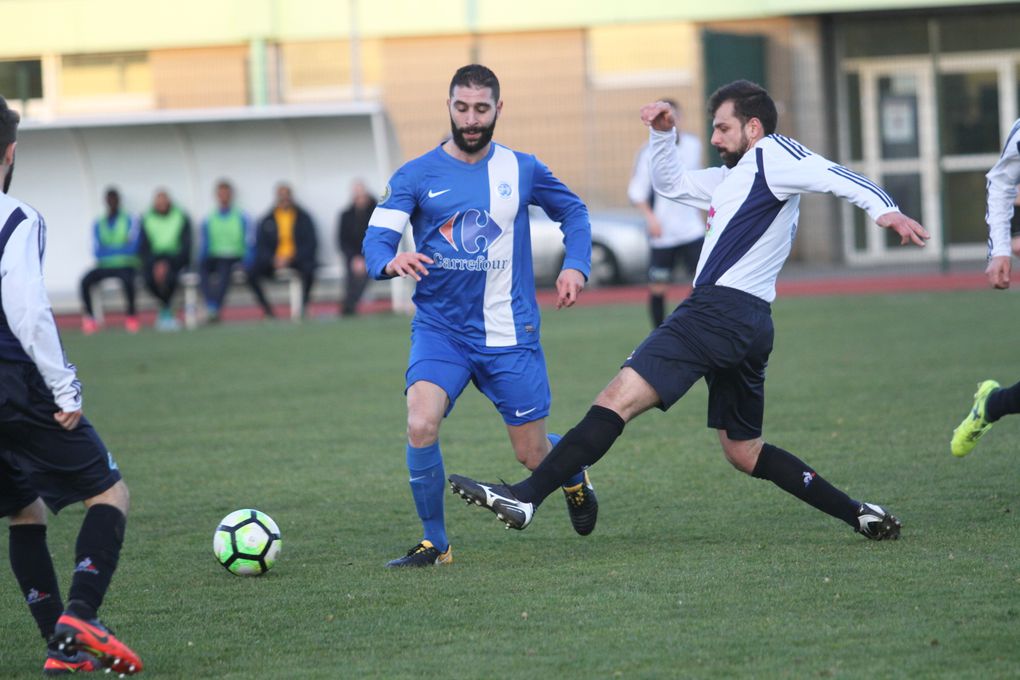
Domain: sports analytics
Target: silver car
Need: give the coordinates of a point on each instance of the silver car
(619, 249)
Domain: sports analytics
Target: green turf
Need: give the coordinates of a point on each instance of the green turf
(694, 570)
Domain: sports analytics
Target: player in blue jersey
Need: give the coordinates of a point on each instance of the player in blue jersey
(991, 401)
(476, 316)
(723, 331)
(49, 453)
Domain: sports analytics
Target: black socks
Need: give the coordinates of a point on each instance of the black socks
(657, 306)
(96, 554)
(1001, 402)
(794, 476)
(581, 447)
(33, 569)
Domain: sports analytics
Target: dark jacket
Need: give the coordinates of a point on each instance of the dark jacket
(352, 227)
(306, 242)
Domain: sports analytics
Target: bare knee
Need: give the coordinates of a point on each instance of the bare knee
(742, 454)
(117, 495)
(532, 455)
(422, 431)
(33, 513)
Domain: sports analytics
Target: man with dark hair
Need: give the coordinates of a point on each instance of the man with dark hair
(350, 236)
(49, 453)
(164, 245)
(115, 243)
(476, 316)
(723, 331)
(285, 239)
(226, 240)
(675, 231)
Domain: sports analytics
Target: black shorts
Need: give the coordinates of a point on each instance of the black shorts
(40, 459)
(663, 260)
(723, 335)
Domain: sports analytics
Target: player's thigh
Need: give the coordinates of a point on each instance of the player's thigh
(516, 382)
(670, 360)
(736, 394)
(438, 359)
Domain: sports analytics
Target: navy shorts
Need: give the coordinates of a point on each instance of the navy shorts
(514, 378)
(40, 459)
(662, 261)
(723, 335)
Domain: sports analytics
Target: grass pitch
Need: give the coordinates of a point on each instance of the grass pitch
(694, 570)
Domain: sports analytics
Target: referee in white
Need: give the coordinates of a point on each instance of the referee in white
(676, 231)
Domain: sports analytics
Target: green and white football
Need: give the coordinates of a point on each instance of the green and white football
(247, 542)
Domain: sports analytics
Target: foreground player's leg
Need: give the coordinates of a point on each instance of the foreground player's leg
(427, 479)
(97, 552)
(582, 503)
(990, 403)
(626, 396)
(796, 477)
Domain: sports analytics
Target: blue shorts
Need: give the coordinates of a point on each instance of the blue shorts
(40, 459)
(513, 378)
(723, 335)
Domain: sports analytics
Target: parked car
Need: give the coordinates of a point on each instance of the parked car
(619, 249)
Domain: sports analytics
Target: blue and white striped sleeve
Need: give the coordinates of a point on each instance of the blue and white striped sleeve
(1002, 181)
(790, 169)
(387, 223)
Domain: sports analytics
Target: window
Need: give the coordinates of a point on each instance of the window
(21, 80)
(90, 75)
(969, 112)
(965, 207)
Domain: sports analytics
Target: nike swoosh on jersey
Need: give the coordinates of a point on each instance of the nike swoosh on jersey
(521, 414)
(433, 194)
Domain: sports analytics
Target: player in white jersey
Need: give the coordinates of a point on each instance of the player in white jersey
(476, 315)
(49, 453)
(723, 331)
(991, 402)
(675, 231)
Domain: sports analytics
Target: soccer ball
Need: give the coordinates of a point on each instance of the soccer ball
(247, 542)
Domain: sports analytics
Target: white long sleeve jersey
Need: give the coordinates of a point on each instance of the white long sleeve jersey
(680, 223)
(753, 207)
(28, 332)
(1002, 181)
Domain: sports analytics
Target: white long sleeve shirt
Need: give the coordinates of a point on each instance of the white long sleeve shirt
(753, 208)
(28, 332)
(1002, 181)
(680, 223)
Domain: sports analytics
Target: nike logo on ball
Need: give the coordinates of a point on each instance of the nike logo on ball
(433, 194)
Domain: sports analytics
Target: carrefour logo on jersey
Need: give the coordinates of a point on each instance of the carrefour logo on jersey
(472, 232)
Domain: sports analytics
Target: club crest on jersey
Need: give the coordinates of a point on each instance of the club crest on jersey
(472, 233)
(385, 194)
(504, 190)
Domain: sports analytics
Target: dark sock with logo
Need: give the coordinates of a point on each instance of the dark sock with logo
(1002, 402)
(657, 305)
(95, 555)
(33, 569)
(794, 476)
(581, 447)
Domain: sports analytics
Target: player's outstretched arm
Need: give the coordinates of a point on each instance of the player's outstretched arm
(569, 284)
(408, 264)
(909, 230)
(998, 270)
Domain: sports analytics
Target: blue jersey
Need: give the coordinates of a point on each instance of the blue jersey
(471, 219)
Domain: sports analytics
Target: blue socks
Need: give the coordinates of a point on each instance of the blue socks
(554, 439)
(428, 482)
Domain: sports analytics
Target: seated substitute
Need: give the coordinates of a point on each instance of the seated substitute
(227, 240)
(164, 245)
(285, 239)
(115, 244)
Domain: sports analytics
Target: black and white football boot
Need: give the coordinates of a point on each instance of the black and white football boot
(496, 497)
(875, 523)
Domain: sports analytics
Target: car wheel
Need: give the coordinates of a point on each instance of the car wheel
(604, 268)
